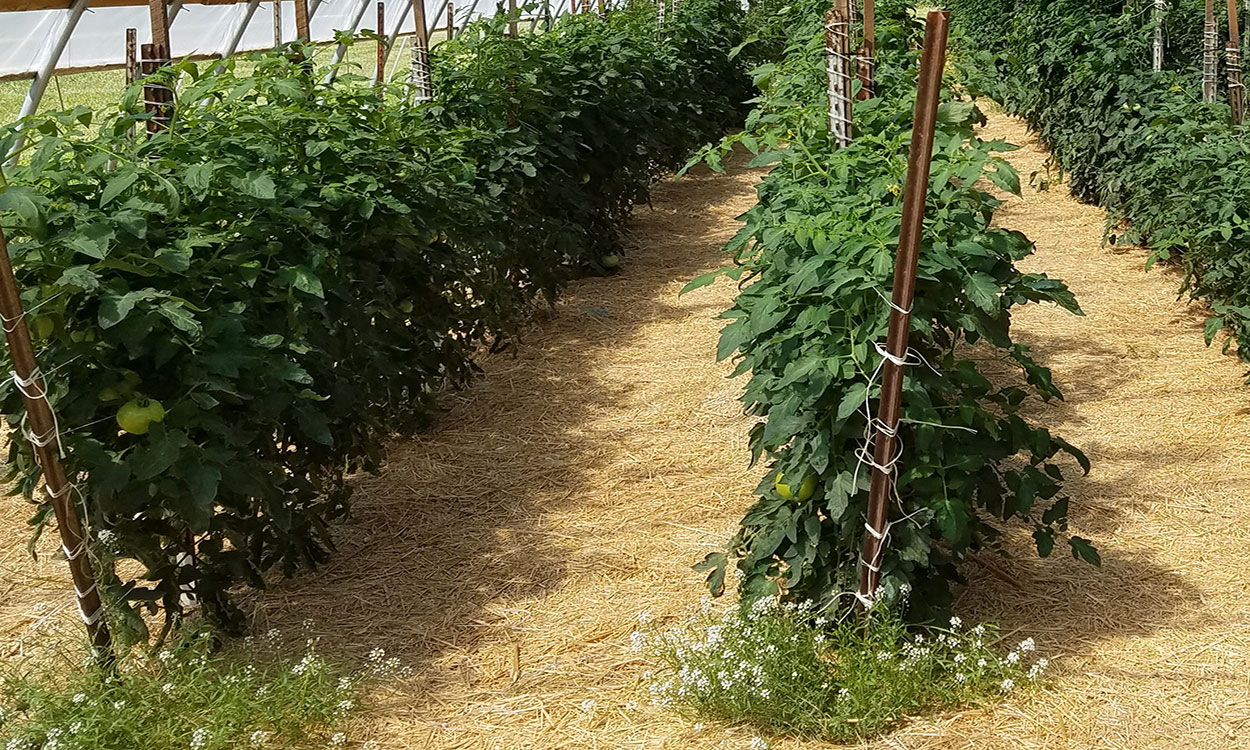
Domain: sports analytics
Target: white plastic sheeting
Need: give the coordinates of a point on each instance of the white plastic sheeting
(99, 39)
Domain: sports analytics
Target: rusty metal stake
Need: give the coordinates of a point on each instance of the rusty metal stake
(885, 426)
(43, 434)
(379, 74)
(838, 72)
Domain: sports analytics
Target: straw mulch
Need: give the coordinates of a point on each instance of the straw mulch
(506, 554)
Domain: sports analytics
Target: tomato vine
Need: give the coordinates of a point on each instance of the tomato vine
(296, 268)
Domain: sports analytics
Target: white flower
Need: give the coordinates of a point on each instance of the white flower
(959, 677)
(589, 705)
(1007, 684)
(631, 705)
(345, 706)
(338, 740)
(167, 688)
(758, 743)
(199, 738)
(843, 693)
(956, 623)
(699, 727)
(79, 698)
(1027, 645)
(981, 663)
(370, 745)
(637, 641)
(1013, 658)
(645, 617)
(76, 727)
(258, 738)
(979, 630)
(960, 658)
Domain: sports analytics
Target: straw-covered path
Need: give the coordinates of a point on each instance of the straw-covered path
(507, 554)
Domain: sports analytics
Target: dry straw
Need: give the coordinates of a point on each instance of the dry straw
(506, 555)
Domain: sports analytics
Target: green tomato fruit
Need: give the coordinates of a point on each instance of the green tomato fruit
(610, 261)
(137, 415)
(109, 394)
(806, 489)
(585, 177)
(44, 327)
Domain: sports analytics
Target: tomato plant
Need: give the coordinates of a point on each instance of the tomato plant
(814, 261)
(1141, 144)
(246, 307)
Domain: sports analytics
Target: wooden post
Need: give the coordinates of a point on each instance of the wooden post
(157, 97)
(1161, 9)
(838, 72)
(1236, 90)
(379, 74)
(864, 61)
(419, 75)
(512, 21)
(1209, 53)
(885, 425)
(132, 56)
(43, 434)
(302, 31)
(277, 23)
(451, 20)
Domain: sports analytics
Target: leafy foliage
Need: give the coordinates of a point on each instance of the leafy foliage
(815, 259)
(296, 268)
(1167, 166)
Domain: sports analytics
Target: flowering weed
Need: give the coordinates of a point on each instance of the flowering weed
(189, 697)
(785, 668)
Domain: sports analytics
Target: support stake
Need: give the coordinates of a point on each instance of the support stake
(1209, 54)
(1160, 11)
(838, 72)
(43, 435)
(419, 76)
(865, 62)
(929, 88)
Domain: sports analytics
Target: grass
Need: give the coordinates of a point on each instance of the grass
(252, 695)
(786, 670)
(103, 89)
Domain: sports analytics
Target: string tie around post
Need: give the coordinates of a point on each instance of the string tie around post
(26, 386)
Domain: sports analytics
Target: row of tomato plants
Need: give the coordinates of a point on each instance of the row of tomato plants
(236, 314)
(1170, 170)
(814, 261)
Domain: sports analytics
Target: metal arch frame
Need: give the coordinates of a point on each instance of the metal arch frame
(341, 51)
(47, 69)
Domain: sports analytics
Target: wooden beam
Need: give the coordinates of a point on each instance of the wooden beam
(16, 5)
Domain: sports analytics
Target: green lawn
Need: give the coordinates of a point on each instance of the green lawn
(103, 89)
